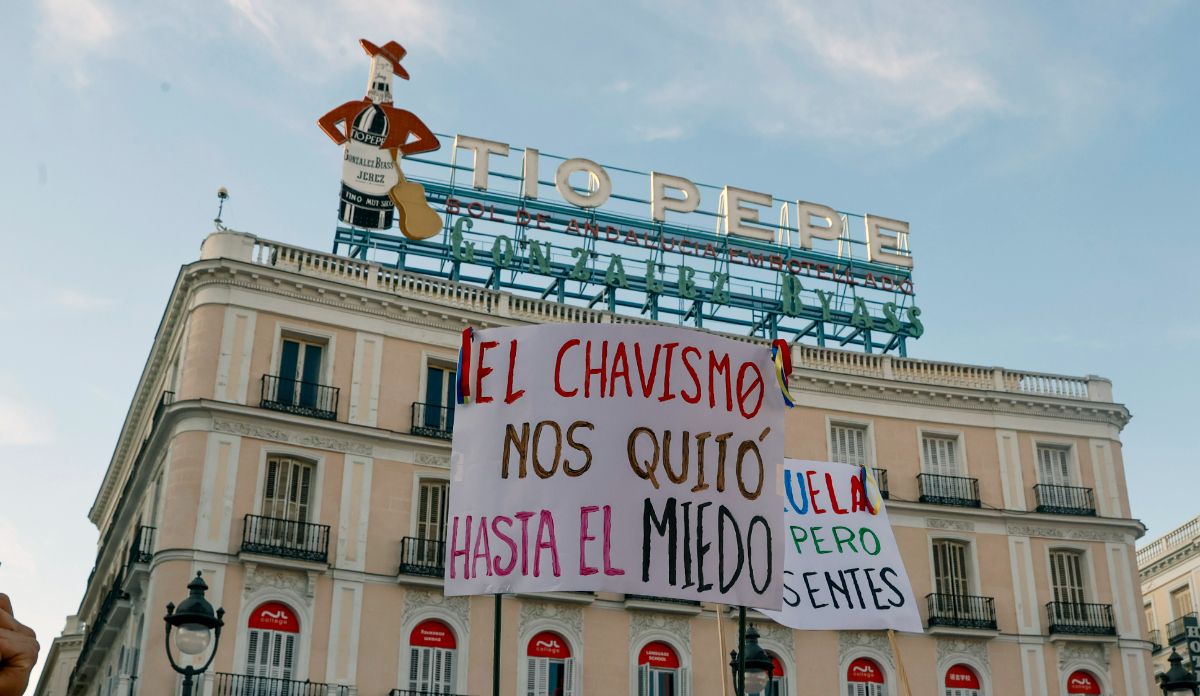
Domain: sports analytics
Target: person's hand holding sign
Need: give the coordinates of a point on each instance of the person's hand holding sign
(18, 651)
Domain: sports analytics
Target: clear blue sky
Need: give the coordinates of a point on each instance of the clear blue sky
(1045, 155)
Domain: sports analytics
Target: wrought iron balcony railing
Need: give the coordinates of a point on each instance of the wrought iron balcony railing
(1078, 618)
(302, 398)
(664, 600)
(881, 479)
(142, 548)
(286, 538)
(961, 611)
(1155, 638)
(1064, 500)
(425, 557)
(949, 490)
(420, 692)
(226, 684)
(432, 420)
(1176, 631)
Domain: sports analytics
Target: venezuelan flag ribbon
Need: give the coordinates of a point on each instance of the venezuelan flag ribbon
(781, 355)
(871, 486)
(462, 386)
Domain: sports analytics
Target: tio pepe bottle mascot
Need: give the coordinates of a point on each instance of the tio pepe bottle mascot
(372, 130)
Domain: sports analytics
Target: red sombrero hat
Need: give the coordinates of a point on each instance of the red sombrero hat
(390, 50)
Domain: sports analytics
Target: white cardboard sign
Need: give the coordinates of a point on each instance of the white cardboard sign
(842, 567)
(632, 459)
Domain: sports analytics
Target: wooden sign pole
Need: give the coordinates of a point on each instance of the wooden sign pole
(899, 662)
(721, 642)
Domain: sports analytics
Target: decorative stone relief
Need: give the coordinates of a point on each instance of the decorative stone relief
(780, 635)
(419, 600)
(263, 432)
(875, 641)
(571, 616)
(949, 650)
(1060, 533)
(432, 459)
(1093, 653)
(643, 622)
(1031, 531)
(257, 577)
(958, 525)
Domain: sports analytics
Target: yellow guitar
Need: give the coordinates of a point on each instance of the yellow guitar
(417, 219)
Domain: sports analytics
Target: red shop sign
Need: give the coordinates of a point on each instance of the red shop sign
(961, 677)
(864, 670)
(274, 616)
(432, 634)
(547, 644)
(776, 667)
(660, 655)
(1081, 682)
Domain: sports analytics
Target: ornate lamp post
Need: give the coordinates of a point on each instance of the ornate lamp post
(1178, 681)
(758, 666)
(195, 627)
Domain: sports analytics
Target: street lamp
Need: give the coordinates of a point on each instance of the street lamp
(758, 666)
(195, 627)
(1178, 681)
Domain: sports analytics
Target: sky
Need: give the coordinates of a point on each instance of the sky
(1044, 154)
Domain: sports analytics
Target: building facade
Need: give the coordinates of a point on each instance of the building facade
(1170, 570)
(290, 438)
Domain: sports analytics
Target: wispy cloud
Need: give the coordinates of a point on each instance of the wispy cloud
(652, 133)
(73, 28)
(69, 298)
(21, 424)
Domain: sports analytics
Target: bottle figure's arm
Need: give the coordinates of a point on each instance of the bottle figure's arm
(402, 124)
(344, 114)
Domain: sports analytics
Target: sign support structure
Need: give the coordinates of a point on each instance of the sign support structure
(496, 623)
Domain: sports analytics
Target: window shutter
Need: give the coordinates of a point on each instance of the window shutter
(272, 477)
(683, 683)
(447, 671)
(1066, 576)
(414, 665)
(643, 677)
(940, 454)
(531, 676)
(288, 654)
(252, 660)
(1053, 467)
(568, 677)
(849, 444)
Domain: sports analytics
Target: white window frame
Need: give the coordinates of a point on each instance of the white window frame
(415, 506)
(972, 560)
(1187, 585)
(303, 613)
(1072, 459)
(883, 661)
(574, 643)
(985, 682)
(461, 652)
(1085, 567)
(960, 448)
(287, 330)
(683, 674)
(868, 436)
(318, 462)
(428, 360)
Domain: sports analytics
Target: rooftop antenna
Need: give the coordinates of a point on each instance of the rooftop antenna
(222, 196)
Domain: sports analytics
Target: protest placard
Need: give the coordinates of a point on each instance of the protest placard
(842, 569)
(632, 459)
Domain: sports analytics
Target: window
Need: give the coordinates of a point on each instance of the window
(961, 680)
(432, 658)
(848, 444)
(1083, 683)
(1181, 602)
(950, 575)
(659, 671)
(271, 645)
(865, 678)
(550, 667)
(287, 488)
(299, 372)
(439, 397)
(431, 510)
(1150, 623)
(1054, 465)
(940, 455)
(1066, 576)
(778, 685)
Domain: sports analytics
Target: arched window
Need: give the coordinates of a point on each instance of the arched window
(1084, 683)
(432, 653)
(778, 686)
(551, 669)
(660, 672)
(961, 680)
(271, 648)
(864, 677)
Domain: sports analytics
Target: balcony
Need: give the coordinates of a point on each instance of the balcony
(101, 634)
(949, 490)
(272, 536)
(1064, 500)
(301, 398)
(419, 692)
(1177, 629)
(961, 611)
(1079, 619)
(424, 557)
(225, 684)
(432, 420)
(881, 479)
(142, 548)
(1155, 639)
